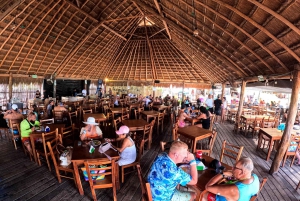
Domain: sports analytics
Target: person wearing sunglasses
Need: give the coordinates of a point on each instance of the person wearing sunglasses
(246, 185)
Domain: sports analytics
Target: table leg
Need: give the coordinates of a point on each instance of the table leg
(259, 140)
(117, 177)
(270, 149)
(33, 148)
(194, 146)
(77, 178)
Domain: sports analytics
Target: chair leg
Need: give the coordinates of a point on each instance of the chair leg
(122, 170)
(283, 161)
(48, 162)
(15, 144)
(94, 194)
(115, 193)
(38, 158)
(298, 185)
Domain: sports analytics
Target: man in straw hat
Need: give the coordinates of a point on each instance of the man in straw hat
(91, 130)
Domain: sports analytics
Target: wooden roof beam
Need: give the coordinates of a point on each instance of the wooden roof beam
(106, 27)
(80, 10)
(10, 7)
(278, 16)
(156, 33)
(71, 54)
(154, 75)
(123, 18)
(137, 6)
(164, 22)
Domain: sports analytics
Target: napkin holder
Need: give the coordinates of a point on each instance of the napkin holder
(65, 158)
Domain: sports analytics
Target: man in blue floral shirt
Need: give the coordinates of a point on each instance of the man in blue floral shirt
(164, 174)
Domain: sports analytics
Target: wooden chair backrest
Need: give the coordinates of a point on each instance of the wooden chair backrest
(52, 147)
(231, 151)
(146, 191)
(212, 119)
(139, 144)
(160, 117)
(47, 121)
(15, 124)
(125, 116)
(97, 168)
(147, 131)
(212, 140)
(58, 115)
(87, 111)
(73, 117)
(68, 131)
(174, 132)
(117, 123)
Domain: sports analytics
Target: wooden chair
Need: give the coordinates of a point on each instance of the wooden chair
(146, 190)
(211, 143)
(117, 123)
(68, 134)
(73, 117)
(262, 183)
(109, 118)
(147, 133)
(139, 144)
(87, 111)
(160, 121)
(47, 121)
(293, 148)
(174, 132)
(212, 119)
(14, 124)
(255, 126)
(45, 152)
(58, 116)
(231, 151)
(97, 167)
(52, 147)
(125, 116)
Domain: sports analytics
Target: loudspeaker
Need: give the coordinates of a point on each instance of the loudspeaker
(156, 81)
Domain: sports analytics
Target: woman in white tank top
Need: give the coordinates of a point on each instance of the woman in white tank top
(128, 149)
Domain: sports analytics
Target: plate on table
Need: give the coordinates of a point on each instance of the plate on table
(96, 142)
(186, 168)
(296, 127)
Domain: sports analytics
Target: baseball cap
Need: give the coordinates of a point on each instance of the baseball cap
(14, 106)
(123, 130)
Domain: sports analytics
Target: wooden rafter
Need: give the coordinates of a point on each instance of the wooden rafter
(138, 7)
(157, 33)
(164, 22)
(154, 75)
(264, 30)
(238, 28)
(123, 18)
(278, 16)
(71, 54)
(8, 7)
(113, 31)
(80, 10)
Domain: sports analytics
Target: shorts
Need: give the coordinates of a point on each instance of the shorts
(25, 139)
(218, 111)
(181, 195)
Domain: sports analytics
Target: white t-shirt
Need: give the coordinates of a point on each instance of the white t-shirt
(83, 92)
(209, 102)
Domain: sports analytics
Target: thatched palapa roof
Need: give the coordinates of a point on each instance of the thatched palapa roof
(183, 40)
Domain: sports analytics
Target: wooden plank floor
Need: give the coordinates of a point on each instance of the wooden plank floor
(21, 179)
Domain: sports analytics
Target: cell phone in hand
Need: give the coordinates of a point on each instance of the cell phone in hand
(79, 143)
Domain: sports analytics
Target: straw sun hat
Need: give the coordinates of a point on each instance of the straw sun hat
(91, 120)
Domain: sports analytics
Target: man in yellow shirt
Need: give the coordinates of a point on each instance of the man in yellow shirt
(27, 126)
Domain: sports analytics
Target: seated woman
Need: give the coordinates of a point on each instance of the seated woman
(128, 149)
(182, 116)
(91, 130)
(204, 118)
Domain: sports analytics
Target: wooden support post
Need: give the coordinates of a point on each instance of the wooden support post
(223, 91)
(284, 143)
(10, 87)
(240, 109)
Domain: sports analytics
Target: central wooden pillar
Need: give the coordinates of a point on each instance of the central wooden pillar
(284, 143)
(10, 87)
(240, 109)
(223, 91)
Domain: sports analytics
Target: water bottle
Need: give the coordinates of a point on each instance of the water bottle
(47, 129)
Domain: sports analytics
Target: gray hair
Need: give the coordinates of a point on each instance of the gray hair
(247, 163)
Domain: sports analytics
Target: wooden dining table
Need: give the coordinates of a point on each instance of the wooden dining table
(135, 124)
(81, 153)
(258, 117)
(194, 133)
(115, 110)
(205, 175)
(275, 136)
(38, 134)
(99, 117)
(160, 107)
(149, 114)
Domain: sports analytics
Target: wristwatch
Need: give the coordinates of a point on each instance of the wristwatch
(223, 176)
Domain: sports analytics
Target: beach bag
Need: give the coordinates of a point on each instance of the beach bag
(86, 177)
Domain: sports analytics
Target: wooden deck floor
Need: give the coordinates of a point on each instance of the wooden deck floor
(21, 179)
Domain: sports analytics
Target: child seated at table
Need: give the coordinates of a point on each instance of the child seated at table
(91, 130)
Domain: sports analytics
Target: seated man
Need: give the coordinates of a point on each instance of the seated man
(164, 174)
(60, 107)
(14, 113)
(246, 185)
(27, 126)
